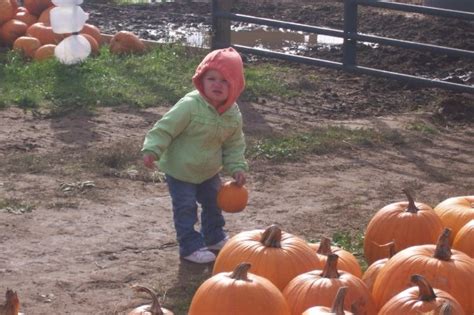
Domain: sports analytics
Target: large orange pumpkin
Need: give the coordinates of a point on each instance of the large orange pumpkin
(11, 30)
(420, 299)
(274, 254)
(238, 292)
(232, 198)
(455, 212)
(44, 52)
(25, 16)
(150, 309)
(406, 223)
(125, 42)
(7, 11)
(337, 306)
(445, 269)
(318, 288)
(346, 262)
(44, 33)
(44, 17)
(464, 240)
(27, 45)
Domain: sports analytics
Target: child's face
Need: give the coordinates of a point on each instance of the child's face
(216, 87)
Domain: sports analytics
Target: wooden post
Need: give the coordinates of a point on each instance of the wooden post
(220, 37)
(350, 28)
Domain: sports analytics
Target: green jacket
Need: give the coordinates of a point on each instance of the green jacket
(193, 142)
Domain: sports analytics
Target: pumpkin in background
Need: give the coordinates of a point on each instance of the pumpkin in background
(44, 17)
(420, 299)
(94, 44)
(7, 11)
(238, 292)
(150, 309)
(27, 45)
(231, 197)
(373, 270)
(464, 240)
(125, 42)
(36, 7)
(337, 306)
(346, 262)
(274, 254)
(12, 303)
(318, 288)
(44, 52)
(11, 30)
(93, 31)
(44, 33)
(445, 269)
(26, 17)
(455, 212)
(406, 223)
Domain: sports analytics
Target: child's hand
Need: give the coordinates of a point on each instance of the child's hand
(239, 178)
(149, 161)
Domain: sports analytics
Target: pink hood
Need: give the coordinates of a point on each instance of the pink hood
(229, 63)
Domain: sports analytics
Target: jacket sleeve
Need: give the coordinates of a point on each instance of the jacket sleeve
(167, 128)
(233, 152)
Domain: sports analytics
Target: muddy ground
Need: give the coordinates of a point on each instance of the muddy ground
(81, 220)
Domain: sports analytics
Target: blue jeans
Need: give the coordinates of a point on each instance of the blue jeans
(184, 197)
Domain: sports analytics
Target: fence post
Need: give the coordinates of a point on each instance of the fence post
(220, 37)
(350, 27)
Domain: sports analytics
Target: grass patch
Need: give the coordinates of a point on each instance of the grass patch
(320, 141)
(353, 243)
(160, 77)
(422, 127)
(15, 206)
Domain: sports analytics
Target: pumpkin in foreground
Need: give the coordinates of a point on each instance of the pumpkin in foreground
(337, 306)
(455, 212)
(238, 293)
(420, 299)
(149, 309)
(464, 240)
(274, 254)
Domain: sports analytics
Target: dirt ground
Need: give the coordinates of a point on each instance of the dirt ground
(77, 228)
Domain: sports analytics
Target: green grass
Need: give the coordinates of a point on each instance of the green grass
(15, 206)
(320, 141)
(159, 77)
(351, 243)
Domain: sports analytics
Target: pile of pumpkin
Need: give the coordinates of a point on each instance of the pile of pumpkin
(28, 29)
(421, 261)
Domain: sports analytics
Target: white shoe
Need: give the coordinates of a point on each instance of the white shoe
(219, 245)
(201, 256)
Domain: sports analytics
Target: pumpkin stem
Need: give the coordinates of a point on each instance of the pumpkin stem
(271, 237)
(446, 309)
(426, 292)
(390, 245)
(330, 269)
(412, 208)
(324, 246)
(338, 304)
(241, 272)
(12, 303)
(443, 248)
(155, 307)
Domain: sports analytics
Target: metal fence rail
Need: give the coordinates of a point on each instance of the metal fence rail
(222, 16)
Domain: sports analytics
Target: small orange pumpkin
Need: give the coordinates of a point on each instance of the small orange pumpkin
(44, 52)
(150, 309)
(464, 240)
(36, 7)
(373, 270)
(231, 197)
(11, 30)
(337, 306)
(420, 299)
(93, 42)
(44, 17)
(238, 292)
(27, 45)
(44, 33)
(93, 31)
(125, 42)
